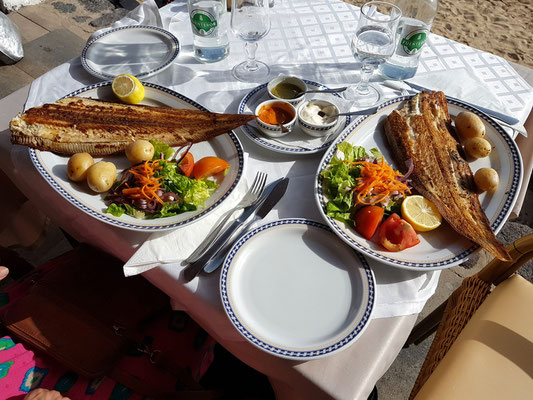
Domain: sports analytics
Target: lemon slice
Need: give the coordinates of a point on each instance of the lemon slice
(421, 213)
(128, 88)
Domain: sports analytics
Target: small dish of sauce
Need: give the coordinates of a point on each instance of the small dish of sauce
(273, 114)
(276, 113)
(286, 90)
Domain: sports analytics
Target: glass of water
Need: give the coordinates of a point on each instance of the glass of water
(250, 21)
(373, 43)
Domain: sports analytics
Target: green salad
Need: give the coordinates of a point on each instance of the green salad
(343, 176)
(158, 188)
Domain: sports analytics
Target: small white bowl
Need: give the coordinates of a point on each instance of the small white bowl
(317, 130)
(287, 79)
(275, 130)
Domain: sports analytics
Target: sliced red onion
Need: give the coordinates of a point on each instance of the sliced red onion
(411, 166)
(188, 145)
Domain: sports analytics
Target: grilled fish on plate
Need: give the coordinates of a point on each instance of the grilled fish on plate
(78, 124)
(421, 131)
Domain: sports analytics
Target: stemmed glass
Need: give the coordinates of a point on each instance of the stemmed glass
(250, 21)
(373, 43)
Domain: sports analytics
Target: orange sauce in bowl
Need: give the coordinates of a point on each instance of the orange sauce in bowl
(276, 113)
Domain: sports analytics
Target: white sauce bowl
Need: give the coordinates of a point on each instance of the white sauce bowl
(314, 129)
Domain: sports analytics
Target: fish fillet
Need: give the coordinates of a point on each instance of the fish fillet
(421, 131)
(78, 124)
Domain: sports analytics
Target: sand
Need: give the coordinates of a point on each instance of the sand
(501, 27)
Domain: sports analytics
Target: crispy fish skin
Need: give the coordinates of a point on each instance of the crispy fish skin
(421, 131)
(78, 124)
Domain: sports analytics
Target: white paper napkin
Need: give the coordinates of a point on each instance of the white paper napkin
(460, 83)
(174, 246)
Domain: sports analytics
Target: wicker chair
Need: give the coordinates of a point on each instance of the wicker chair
(452, 317)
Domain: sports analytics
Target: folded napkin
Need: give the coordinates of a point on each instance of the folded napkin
(463, 85)
(172, 247)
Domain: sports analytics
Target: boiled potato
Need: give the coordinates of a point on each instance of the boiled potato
(478, 147)
(101, 176)
(139, 151)
(469, 125)
(78, 165)
(486, 179)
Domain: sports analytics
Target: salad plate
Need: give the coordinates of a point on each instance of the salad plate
(296, 142)
(138, 50)
(442, 247)
(310, 298)
(53, 167)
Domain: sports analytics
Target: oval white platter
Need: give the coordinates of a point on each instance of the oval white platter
(138, 50)
(295, 142)
(294, 290)
(442, 247)
(53, 167)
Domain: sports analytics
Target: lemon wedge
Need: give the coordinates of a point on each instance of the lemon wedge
(128, 88)
(421, 213)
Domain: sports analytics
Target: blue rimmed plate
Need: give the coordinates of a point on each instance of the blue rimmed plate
(291, 288)
(296, 142)
(442, 247)
(138, 50)
(53, 167)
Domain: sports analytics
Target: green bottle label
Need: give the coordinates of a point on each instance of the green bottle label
(203, 22)
(413, 42)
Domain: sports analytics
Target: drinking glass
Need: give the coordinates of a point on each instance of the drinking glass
(250, 21)
(373, 43)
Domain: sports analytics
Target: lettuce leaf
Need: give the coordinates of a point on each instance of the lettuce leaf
(339, 179)
(193, 192)
(159, 148)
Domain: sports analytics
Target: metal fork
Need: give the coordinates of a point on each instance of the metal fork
(249, 198)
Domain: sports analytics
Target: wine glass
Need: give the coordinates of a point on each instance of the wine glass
(373, 43)
(250, 21)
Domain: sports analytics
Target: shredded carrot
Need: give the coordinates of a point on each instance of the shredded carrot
(377, 182)
(146, 183)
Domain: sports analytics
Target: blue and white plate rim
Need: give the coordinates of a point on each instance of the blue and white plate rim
(341, 344)
(277, 146)
(456, 259)
(46, 174)
(174, 51)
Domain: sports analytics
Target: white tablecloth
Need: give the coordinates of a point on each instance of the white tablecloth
(309, 39)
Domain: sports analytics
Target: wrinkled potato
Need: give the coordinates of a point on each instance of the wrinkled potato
(469, 125)
(478, 147)
(101, 176)
(78, 165)
(486, 179)
(139, 151)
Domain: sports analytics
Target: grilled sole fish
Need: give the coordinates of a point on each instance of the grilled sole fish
(422, 132)
(78, 124)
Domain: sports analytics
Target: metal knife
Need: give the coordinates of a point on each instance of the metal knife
(273, 191)
(277, 193)
(492, 113)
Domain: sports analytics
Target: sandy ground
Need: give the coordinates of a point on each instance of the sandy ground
(501, 27)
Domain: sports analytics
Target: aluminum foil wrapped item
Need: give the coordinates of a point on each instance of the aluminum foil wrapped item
(10, 46)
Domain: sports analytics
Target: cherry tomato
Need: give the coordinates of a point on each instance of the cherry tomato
(187, 164)
(209, 166)
(367, 220)
(396, 234)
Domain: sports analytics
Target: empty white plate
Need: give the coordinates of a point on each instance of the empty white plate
(293, 289)
(137, 50)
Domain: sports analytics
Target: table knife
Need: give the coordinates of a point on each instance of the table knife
(492, 113)
(273, 191)
(277, 193)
